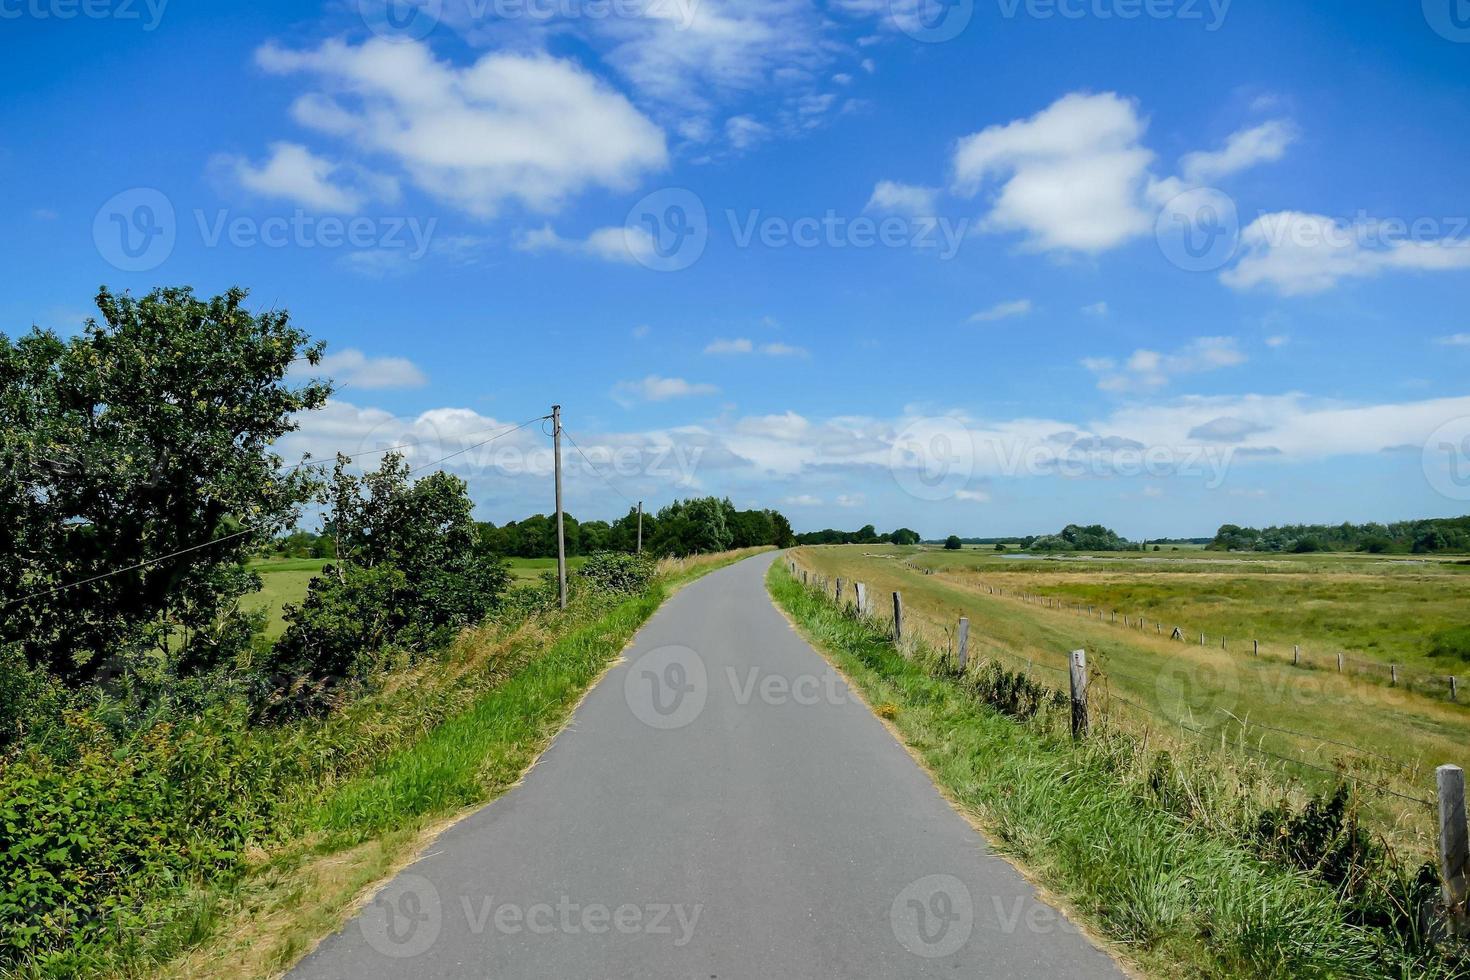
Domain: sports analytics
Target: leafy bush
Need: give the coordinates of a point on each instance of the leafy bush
(613, 572)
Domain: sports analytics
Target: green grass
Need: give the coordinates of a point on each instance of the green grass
(1385, 608)
(1176, 894)
(283, 580)
(530, 570)
(1394, 738)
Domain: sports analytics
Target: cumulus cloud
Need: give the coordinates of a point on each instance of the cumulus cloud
(1454, 340)
(1077, 177)
(355, 369)
(1070, 177)
(1297, 254)
(1002, 311)
(908, 199)
(744, 345)
(1265, 143)
(1226, 429)
(658, 389)
(294, 173)
(1147, 370)
(612, 244)
(528, 128)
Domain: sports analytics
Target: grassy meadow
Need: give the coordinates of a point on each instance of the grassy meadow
(285, 580)
(1310, 721)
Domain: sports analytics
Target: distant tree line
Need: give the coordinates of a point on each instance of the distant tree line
(684, 527)
(867, 534)
(1402, 537)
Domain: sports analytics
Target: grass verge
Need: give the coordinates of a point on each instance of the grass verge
(1147, 852)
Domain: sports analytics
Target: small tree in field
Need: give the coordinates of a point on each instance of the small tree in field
(953, 543)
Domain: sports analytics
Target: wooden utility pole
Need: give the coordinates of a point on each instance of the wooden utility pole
(561, 537)
(640, 527)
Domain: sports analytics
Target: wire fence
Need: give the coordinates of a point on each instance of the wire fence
(1320, 755)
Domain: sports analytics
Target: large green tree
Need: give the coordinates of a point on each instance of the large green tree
(147, 435)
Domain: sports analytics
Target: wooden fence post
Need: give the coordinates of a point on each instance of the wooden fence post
(1393, 674)
(1452, 687)
(897, 618)
(1454, 848)
(964, 645)
(839, 590)
(1339, 663)
(861, 591)
(1296, 655)
(1079, 694)
(1256, 647)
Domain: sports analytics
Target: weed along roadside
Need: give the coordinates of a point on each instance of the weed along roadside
(1187, 866)
(301, 818)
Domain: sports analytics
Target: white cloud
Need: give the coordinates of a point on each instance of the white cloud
(1454, 340)
(1002, 311)
(973, 496)
(1265, 143)
(1146, 370)
(739, 345)
(614, 244)
(909, 199)
(803, 500)
(1278, 340)
(352, 367)
(1071, 177)
(1076, 176)
(744, 345)
(294, 173)
(658, 389)
(528, 128)
(1299, 254)
(1098, 309)
(743, 132)
(850, 500)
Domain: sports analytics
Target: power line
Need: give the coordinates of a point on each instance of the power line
(248, 529)
(593, 466)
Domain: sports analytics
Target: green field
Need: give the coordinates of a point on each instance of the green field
(282, 580)
(285, 580)
(1386, 736)
(1394, 610)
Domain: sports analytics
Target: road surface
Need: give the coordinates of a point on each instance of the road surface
(720, 807)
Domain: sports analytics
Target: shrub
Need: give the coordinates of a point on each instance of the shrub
(615, 572)
(1452, 643)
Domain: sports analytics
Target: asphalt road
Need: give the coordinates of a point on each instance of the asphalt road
(720, 807)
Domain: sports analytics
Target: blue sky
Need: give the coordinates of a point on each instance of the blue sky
(865, 261)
